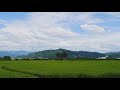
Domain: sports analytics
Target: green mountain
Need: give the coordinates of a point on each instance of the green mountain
(71, 54)
(113, 54)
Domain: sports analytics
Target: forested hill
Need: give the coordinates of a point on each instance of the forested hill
(71, 54)
(113, 54)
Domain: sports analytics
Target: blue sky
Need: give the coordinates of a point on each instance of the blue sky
(87, 31)
(11, 16)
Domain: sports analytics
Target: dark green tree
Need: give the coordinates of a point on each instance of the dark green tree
(61, 55)
(0, 58)
(7, 58)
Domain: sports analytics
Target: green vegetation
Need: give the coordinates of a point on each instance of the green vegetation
(60, 69)
(113, 54)
(61, 55)
(51, 54)
(7, 58)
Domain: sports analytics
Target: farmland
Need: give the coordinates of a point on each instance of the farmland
(60, 69)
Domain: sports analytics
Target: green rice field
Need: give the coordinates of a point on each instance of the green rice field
(60, 69)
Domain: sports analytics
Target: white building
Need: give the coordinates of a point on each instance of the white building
(19, 58)
(13, 58)
(31, 58)
(40, 58)
(118, 58)
(46, 58)
(102, 57)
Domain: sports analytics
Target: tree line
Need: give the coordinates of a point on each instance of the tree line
(59, 56)
(6, 58)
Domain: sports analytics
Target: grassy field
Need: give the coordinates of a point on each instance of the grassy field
(60, 69)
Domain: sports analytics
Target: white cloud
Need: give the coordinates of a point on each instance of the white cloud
(87, 18)
(47, 30)
(39, 31)
(92, 28)
(2, 21)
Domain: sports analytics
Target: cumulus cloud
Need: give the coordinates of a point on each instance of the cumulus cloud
(2, 21)
(92, 28)
(45, 30)
(39, 30)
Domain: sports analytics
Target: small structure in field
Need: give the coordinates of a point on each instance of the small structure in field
(40, 58)
(12, 58)
(46, 58)
(31, 58)
(102, 57)
(118, 58)
(19, 58)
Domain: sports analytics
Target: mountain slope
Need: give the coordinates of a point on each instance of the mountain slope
(71, 54)
(13, 53)
(113, 54)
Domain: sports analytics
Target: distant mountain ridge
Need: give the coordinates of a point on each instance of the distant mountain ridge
(13, 53)
(113, 54)
(71, 54)
(52, 54)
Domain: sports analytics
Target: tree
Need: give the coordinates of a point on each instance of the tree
(64, 55)
(0, 58)
(61, 55)
(7, 58)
